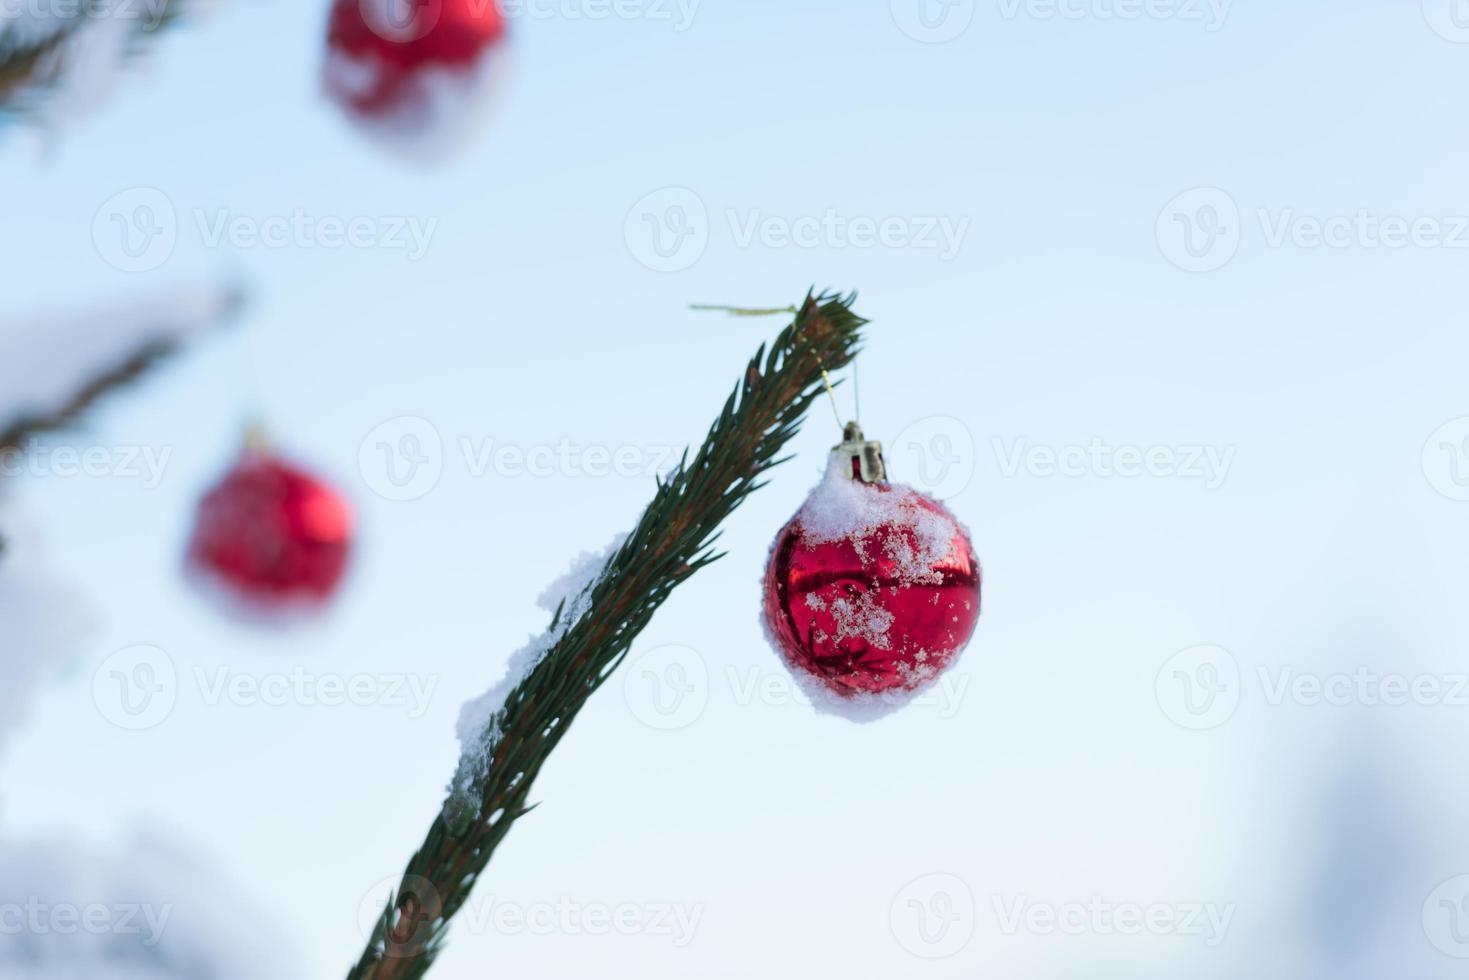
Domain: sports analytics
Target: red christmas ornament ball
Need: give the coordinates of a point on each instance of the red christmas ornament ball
(872, 589)
(412, 71)
(272, 533)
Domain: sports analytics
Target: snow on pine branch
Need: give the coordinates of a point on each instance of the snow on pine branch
(158, 913)
(52, 367)
(479, 719)
(61, 59)
(42, 620)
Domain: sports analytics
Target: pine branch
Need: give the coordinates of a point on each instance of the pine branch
(36, 51)
(21, 66)
(24, 429)
(672, 541)
(157, 341)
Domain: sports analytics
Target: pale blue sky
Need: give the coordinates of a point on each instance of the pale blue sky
(1319, 372)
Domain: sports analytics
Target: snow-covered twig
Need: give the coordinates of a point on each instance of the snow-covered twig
(155, 913)
(59, 60)
(511, 735)
(41, 618)
(52, 368)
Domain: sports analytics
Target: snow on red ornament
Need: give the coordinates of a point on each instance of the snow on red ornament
(872, 589)
(273, 534)
(414, 74)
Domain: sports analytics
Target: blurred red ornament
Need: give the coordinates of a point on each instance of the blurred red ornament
(414, 72)
(872, 588)
(272, 533)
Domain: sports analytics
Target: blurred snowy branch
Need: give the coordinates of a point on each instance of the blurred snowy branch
(52, 368)
(71, 913)
(41, 619)
(61, 58)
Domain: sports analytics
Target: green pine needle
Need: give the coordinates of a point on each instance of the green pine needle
(673, 539)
